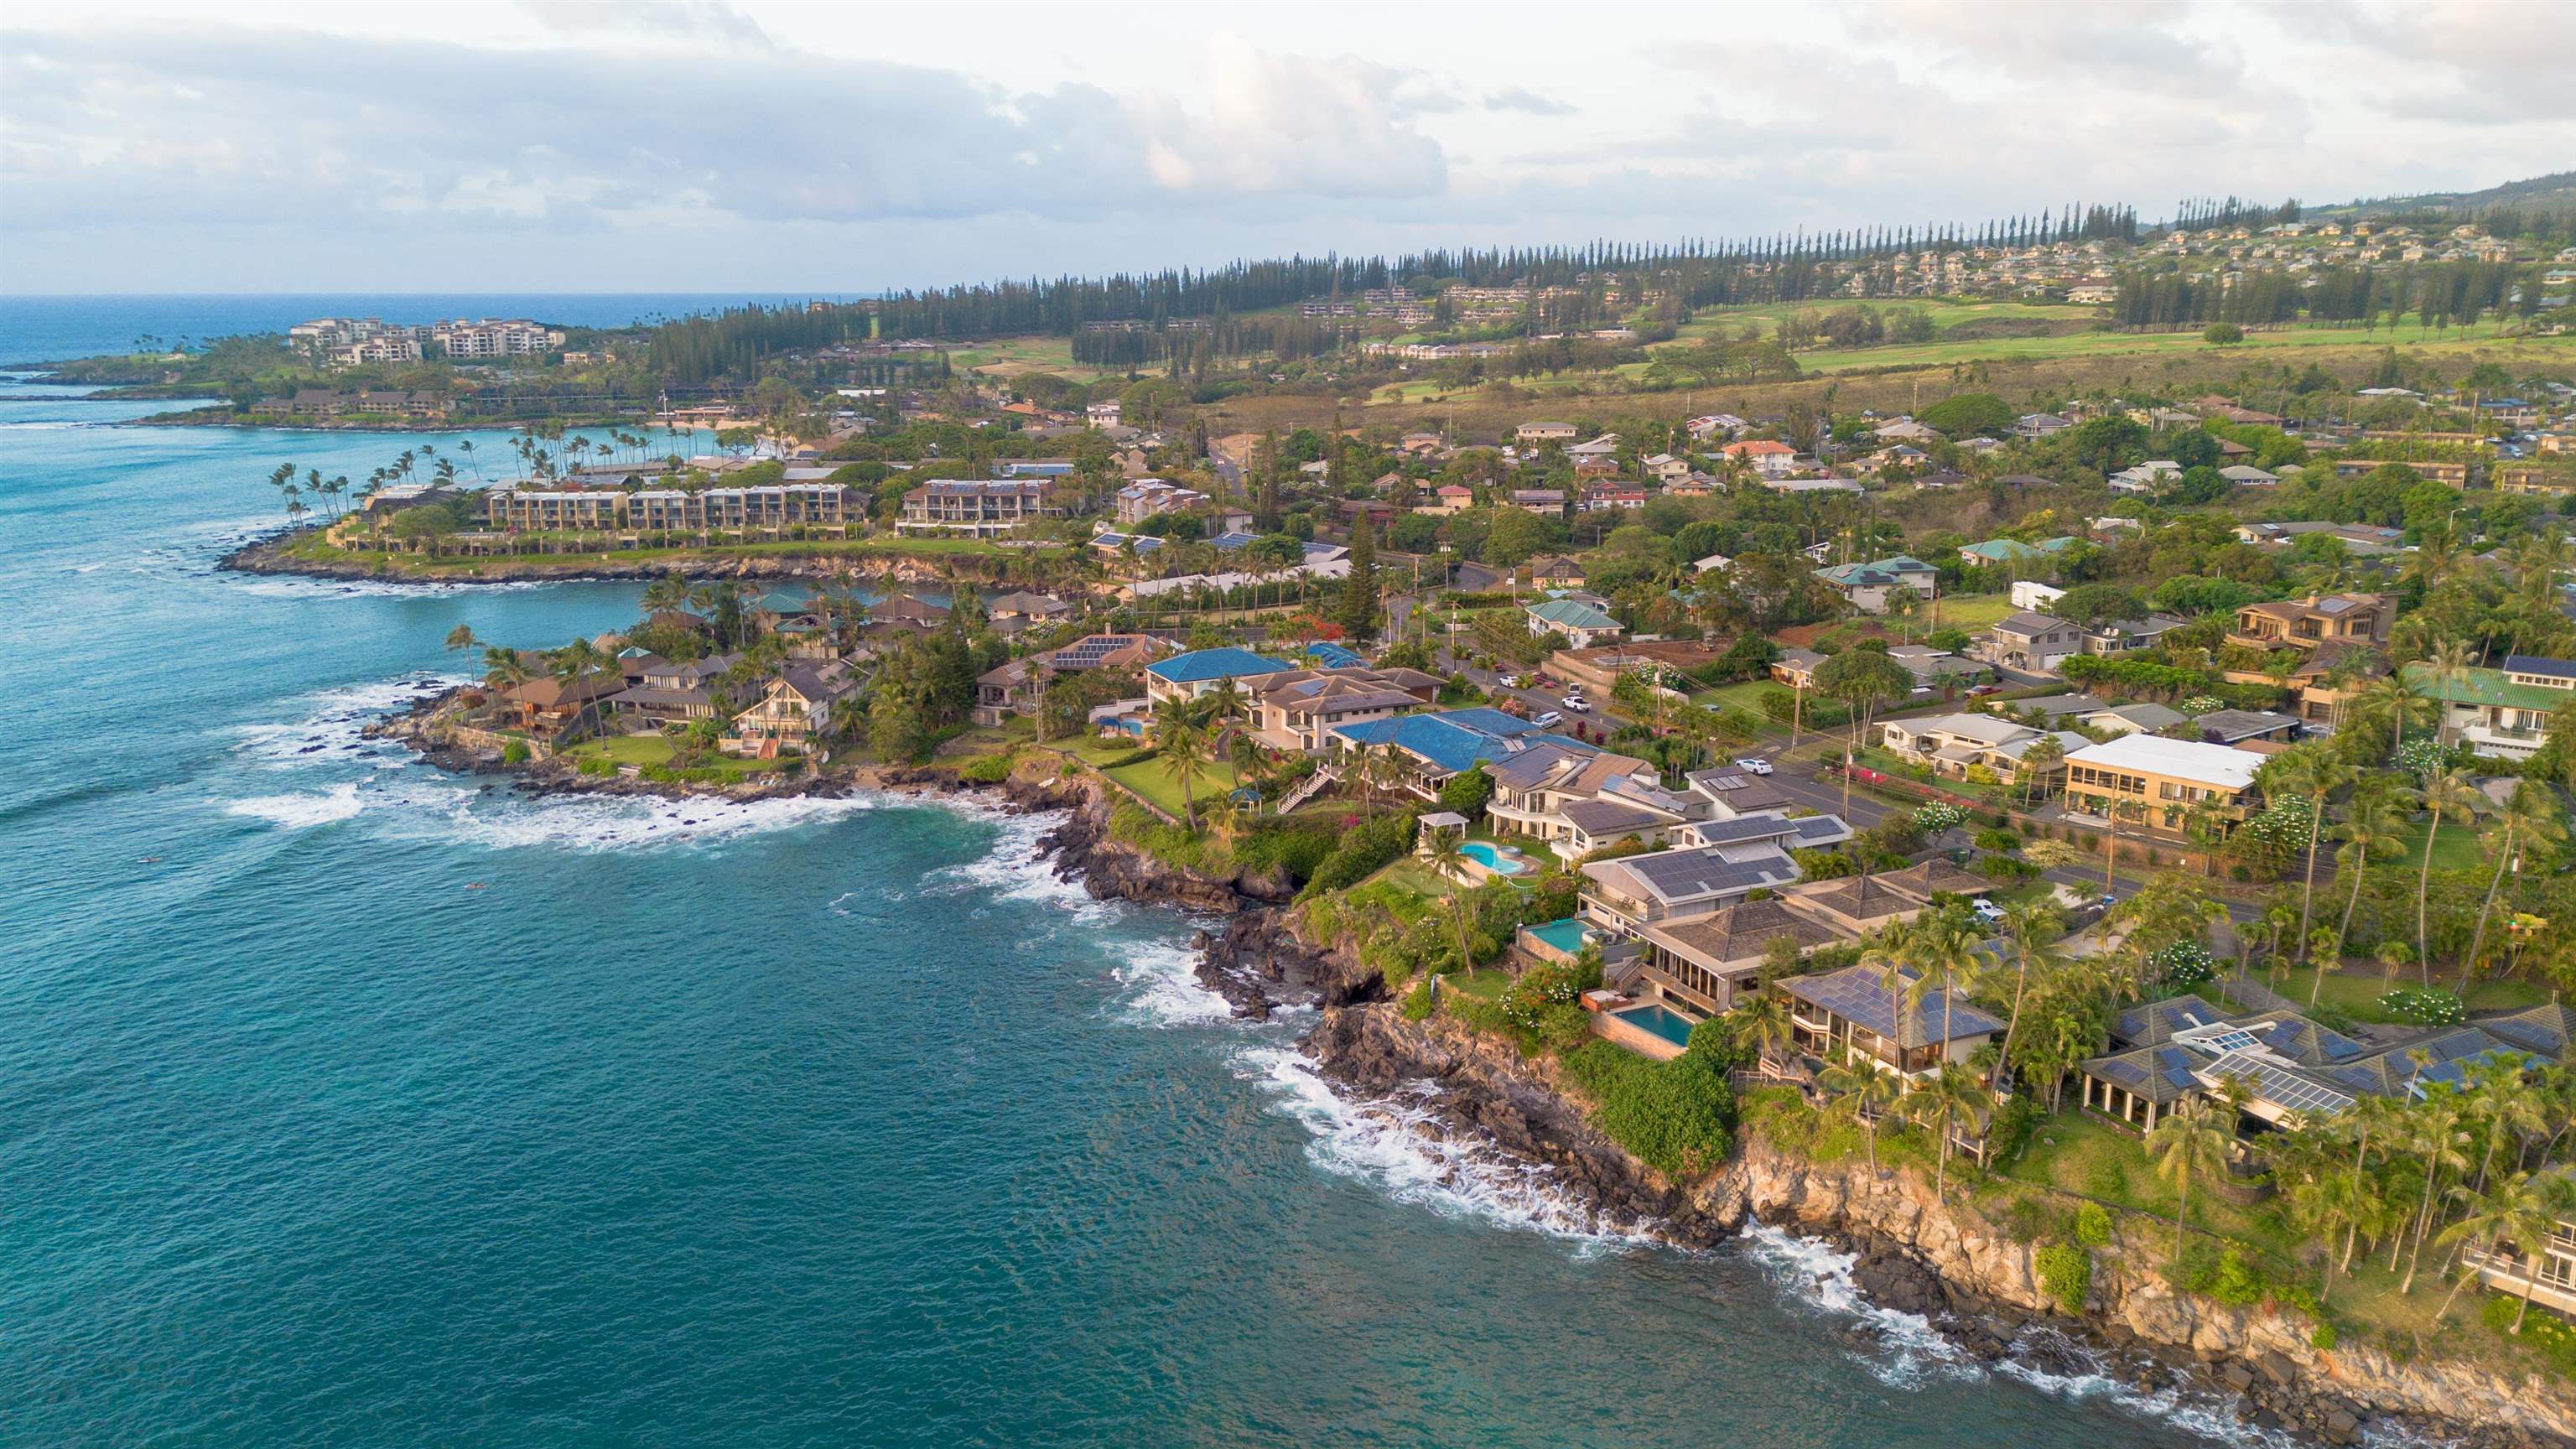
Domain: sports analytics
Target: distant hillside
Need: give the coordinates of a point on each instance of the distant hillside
(2552, 193)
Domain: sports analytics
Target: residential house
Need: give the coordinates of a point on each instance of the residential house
(1299, 709)
(1869, 586)
(1555, 571)
(2012, 553)
(674, 692)
(1939, 669)
(1010, 688)
(1437, 747)
(2503, 712)
(1544, 432)
(1152, 497)
(1637, 891)
(1856, 1014)
(1954, 744)
(1580, 623)
(1206, 671)
(2034, 426)
(1448, 498)
(2159, 783)
(1797, 668)
(1036, 608)
(2549, 1281)
(550, 707)
(1767, 457)
(794, 709)
(1708, 963)
(1578, 799)
(2245, 475)
(1906, 430)
(2127, 636)
(1605, 447)
(2236, 726)
(2031, 643)
(1860, 904)
(2305, 624)
(2142, 718)
(1545, 502)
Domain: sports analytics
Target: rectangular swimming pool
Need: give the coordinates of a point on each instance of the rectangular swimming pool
(1663, 1021)
(1564, 935)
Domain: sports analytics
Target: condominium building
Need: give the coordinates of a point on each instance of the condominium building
(514, 337)
(2158, 783)
(977, 508)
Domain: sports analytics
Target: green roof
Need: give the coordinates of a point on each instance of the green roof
(2008, 550)
(1573, 614)
(2487, 687)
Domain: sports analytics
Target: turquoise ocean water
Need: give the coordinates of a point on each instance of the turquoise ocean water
(345, 1103)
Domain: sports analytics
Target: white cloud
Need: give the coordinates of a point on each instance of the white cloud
(697, 143)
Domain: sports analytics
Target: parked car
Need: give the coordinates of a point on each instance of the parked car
(1548, 720)
(1982, 690)
(1754, 765)
(1576, 703)
(1989, 912)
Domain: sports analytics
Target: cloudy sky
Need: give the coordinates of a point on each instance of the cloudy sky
(557, 145)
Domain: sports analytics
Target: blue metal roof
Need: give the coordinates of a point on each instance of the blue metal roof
(1232, 541)
(1202, 665)
(1333, 656)
(1457, 740)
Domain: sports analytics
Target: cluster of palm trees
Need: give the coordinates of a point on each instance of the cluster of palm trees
(2374, 810)
(2460, 1168)
(294, 485)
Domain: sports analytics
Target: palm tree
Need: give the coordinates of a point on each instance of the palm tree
(1887, 958)
(1945, 959)
(2434, 1141)
(2389, 703)
(670, 591)
(2371, 827)
(503, 669)
(1867, 1091)
(2452, 795)
(1449, 859)
(2443, 672)
(462, 637)
(1184, 748)
(1944, 1095)
(2023, 925)
(2530, 817)
(2187, 1144)
(1762, 1026)
(2311, 773)
(2522, 1211)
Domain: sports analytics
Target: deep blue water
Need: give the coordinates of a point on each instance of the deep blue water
(48, 329)
(345, 1103)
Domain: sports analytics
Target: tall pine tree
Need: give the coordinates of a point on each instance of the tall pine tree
(1359, 591)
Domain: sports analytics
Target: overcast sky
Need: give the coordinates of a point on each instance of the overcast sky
(551, 145)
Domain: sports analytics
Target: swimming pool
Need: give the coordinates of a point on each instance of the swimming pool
(1500, 862)
(1663, 1021)
(1565, 936)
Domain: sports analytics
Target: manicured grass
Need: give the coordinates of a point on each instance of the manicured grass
(1153, 780)
(2356, 993)
(2456, 848)
(1408, 874)
(645, 750)
(1744, 694)
(1971, 612)
(1488, 983)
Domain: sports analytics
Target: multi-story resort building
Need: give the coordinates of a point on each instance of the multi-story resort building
(670, 510)
(978, 508)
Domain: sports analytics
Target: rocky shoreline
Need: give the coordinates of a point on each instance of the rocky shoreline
(1943, 1262)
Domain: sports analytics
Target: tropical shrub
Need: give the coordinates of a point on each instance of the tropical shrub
(2424, 1007)
(2066, 1274)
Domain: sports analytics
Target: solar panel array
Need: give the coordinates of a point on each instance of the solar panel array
(1859, 994)
(1677, 874)
(1087, 652)
(2276, 1084)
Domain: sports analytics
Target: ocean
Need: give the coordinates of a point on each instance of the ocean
(53, 329)
(343, 1102)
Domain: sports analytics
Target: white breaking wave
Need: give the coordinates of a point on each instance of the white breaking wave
(1916, 1353)
(1916, 1350)
(1162, 988)
(1385, 1142)
(295, 812)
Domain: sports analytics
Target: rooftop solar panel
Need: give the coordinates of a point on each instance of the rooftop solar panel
(2278, 1085)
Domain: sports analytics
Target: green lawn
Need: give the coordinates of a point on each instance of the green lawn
(644, 750)
(1744, 694)
(1153, 780)
(2456, 848)
(2356, 993)
(1971, 612)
